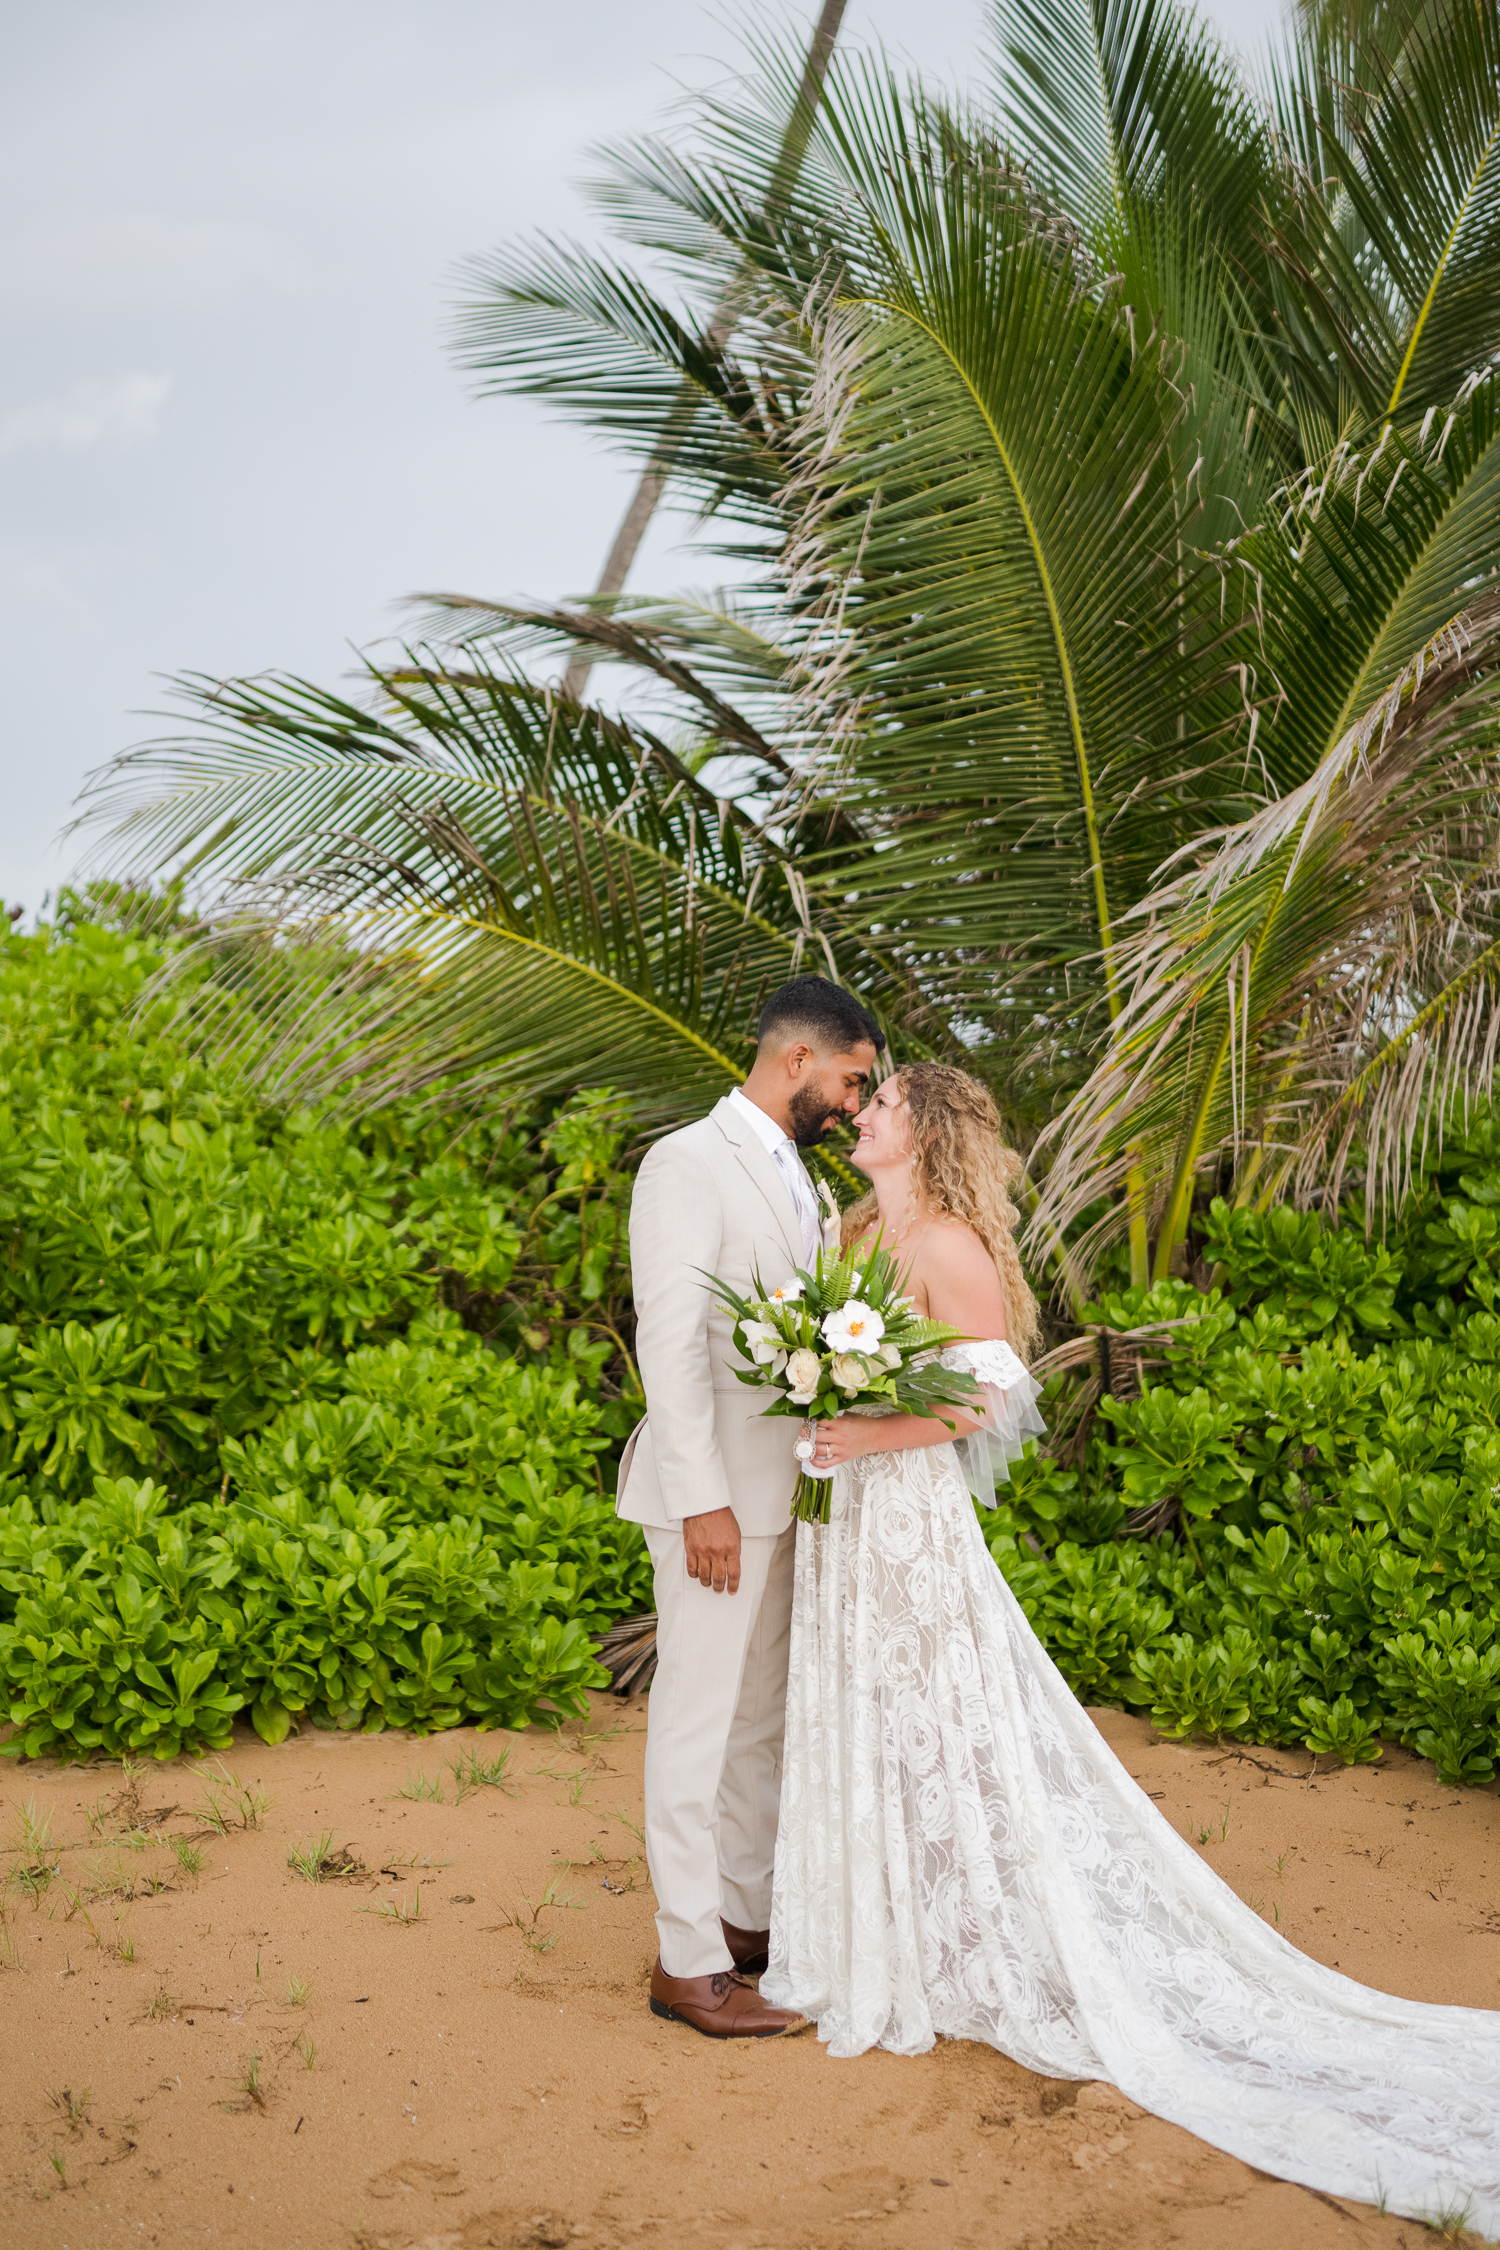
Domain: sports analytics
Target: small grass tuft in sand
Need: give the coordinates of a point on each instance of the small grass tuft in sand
(227, 1798)
(112, 1938)
(298, 1991)
(470, 1771)
(393, 1909)
(318, 1862)
(526, 1917)
(34, 1830)
(160, 2006)
(40, 1858)
(305, 2048)
(72, 2108)
(426, 1789)
(576, 1779)
(1450, 2220)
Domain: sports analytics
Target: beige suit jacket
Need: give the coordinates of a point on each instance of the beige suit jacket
(708, 1199)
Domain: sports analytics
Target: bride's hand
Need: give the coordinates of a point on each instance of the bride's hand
(842, 1440)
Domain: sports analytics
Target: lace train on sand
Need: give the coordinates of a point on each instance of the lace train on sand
(961, 1853)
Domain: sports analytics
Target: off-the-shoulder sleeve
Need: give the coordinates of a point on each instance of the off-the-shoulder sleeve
(1010, 1395)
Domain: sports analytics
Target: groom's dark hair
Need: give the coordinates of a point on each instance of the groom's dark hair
(828, 1017)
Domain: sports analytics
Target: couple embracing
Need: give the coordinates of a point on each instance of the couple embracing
(867, 1786)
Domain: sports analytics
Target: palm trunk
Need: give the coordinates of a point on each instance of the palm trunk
(653, 482)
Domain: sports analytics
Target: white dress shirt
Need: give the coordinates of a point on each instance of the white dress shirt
(783, 1152)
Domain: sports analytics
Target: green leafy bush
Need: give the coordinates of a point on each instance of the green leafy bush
(1291, 1533)
(314, 1421)
(297, 1417)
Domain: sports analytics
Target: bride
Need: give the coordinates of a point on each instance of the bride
(960, 1854)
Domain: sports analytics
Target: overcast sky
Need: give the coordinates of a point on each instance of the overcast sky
(230, 436)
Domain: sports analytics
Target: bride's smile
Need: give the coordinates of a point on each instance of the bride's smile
(882, 1133)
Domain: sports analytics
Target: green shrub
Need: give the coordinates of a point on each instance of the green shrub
(135, 1628)
(298, 1417)
(1292, 1534)
(314, 1421)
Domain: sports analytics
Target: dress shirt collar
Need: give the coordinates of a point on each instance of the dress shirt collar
(770, 1135)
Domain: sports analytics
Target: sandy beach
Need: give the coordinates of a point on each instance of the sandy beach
(443, 2042)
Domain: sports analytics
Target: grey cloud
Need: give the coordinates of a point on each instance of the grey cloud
(123, 411)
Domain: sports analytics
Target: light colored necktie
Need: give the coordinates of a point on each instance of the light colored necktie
(789, 1164)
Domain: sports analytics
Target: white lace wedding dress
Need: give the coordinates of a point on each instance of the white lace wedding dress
(960, 1854)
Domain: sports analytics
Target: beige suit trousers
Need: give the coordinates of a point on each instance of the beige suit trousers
(713, 1747)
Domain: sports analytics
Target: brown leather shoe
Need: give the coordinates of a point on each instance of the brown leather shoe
(750, 1950)
(721, 2007)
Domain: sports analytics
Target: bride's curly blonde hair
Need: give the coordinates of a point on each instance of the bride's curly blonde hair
(962, 1169)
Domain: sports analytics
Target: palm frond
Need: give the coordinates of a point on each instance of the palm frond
(1125, 101)
(1354, 570)
(593, 339)
(699, 651)
(1331, 969)
(1121, 468)
(741, 214)
(536, 896)
(1393, 245)
(628, 1653)
(998, 677)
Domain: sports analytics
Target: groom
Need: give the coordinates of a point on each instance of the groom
(711, 1482)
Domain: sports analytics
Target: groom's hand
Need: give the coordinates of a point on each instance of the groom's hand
(713, 1549)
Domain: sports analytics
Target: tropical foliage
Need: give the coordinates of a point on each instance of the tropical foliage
(1112, 461)
(298, 1420)
(267, 1448)
(1284, 1524)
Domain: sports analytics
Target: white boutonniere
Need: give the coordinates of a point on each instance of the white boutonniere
(833, 1220)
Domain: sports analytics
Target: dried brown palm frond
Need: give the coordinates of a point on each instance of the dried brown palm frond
(628, 1654)
(1110, 1363)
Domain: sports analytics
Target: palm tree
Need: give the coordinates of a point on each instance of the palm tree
(1113, 461)
(1325, 970)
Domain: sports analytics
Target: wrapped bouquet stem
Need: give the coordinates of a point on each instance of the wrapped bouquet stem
(842, 1337)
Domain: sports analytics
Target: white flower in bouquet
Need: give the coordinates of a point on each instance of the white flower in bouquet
(764, 1345)
(855, 1327)
(804, 1371)
(805, 1345)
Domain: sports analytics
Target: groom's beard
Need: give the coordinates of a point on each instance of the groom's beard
(812, 1118)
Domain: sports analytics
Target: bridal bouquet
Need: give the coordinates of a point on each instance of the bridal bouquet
(838, 1339)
